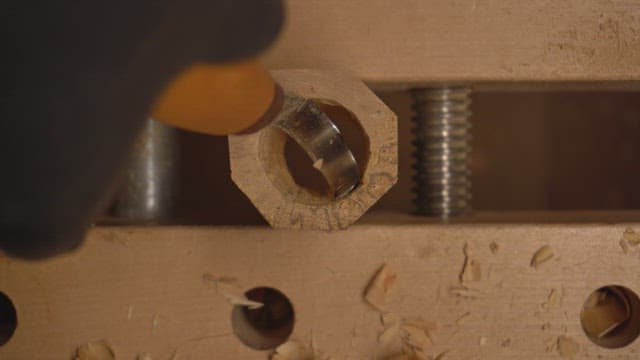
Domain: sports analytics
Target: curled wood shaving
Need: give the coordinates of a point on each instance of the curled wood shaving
(95, 350)
(541, 256)
(229, 288)
(567, 347)
(380, 287)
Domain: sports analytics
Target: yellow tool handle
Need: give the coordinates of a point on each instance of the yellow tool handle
(219, 99)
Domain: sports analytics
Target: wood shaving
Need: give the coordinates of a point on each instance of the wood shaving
(416, 337)
(552, 300)
(494, 247)
(632, 238)
(567, 347)
(95, 350)
(483, 341)
(541, 256)
(624, 246)
(441, 355)
(463, 318)
(380, 287)
(293, 350)
(465, 292)
(229, 288)
(155, 321)
(318, 164)
(605, 311)
(390, 319)
(471, 270)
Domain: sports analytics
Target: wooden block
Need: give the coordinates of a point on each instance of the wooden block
(419, 42)
(259, 168)
(143, 290)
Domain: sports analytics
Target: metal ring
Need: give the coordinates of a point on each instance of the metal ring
(321, 139)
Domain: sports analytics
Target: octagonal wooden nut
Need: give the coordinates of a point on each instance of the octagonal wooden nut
(259, 168)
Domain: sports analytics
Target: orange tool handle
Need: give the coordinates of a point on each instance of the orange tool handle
(219, 99)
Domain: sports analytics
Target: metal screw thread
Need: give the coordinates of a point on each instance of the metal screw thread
(442, 149)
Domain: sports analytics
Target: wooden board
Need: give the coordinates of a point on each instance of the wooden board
(142, 289)
(417, 42)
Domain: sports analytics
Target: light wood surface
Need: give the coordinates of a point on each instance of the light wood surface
(417, 42)
(141, 290)
(259, 167)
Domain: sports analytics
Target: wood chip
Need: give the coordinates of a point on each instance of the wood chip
(567, 347)
(463, 318)
(416, 337)
(318, 164)
(380, 287)
(483, 341)
(293, 350)
(390, 319)
(552, 300)
(541, 256)
(471, 270)
(95, 350)
(632, 238)
(230, 289)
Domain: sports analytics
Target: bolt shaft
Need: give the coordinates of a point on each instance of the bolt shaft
(442, 149)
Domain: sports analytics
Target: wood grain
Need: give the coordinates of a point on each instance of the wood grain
(142, 289)
(259, 169)
(418, 42)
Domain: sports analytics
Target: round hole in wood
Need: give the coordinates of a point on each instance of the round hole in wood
(8, 319)
(266, 327)
(300, 165)
(610, 316)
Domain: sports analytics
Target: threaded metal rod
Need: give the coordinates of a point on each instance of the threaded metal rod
(442, 149)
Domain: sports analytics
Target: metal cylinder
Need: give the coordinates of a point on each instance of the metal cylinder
(149, 191)
(442, 149)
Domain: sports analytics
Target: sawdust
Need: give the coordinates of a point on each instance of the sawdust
(380, 287)
(541, 256)
(95, 350)
(230, 289)
(567, 347)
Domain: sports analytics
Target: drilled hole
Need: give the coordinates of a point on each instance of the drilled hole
(8, 319)
(299, 163)
(611, 316)
(267, 327)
